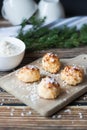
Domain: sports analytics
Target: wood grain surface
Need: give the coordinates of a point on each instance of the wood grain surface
(14, 115)
(27, 92)
(12, 111)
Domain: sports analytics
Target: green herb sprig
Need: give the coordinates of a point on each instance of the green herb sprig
(39, 37)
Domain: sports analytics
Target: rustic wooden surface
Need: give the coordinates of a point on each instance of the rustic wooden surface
(14, 115)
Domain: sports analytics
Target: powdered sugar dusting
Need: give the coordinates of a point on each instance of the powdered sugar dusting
(33, 94)
(22, 112)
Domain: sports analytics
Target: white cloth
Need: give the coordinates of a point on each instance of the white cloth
(70, 22)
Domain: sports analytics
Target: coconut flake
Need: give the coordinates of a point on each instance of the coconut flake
(32, 67)
(68, 110)
(28, 113)
(54, 116)
(52, 59)
(11, 114)
(80, 115)
(22, 114)
(59, 116)
(50, 80)
(51, 54)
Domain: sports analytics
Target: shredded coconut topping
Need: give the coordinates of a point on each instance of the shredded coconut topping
(51, 54)
(52, 60)
(50, 80)
(32, 67)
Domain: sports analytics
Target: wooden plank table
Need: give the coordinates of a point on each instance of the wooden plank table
(14, 115)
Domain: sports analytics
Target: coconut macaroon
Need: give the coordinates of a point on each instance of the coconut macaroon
(48, 88)
(72, 75)
(29, 73)
(51, 63)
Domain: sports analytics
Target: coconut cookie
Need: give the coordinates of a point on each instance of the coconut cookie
(29, 73)
(72, 75)
(51, 63)
(48, 88)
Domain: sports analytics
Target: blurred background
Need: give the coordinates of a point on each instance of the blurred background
(71, 7)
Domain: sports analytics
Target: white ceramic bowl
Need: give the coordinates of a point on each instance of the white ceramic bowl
(9, 62)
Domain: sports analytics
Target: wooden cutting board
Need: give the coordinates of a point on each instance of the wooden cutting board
(27, 92)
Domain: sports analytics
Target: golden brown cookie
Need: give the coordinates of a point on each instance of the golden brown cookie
(48, 88)
(51, 63)
(29, 73)
(72, 75)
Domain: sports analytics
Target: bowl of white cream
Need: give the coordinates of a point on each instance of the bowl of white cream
(12, 51)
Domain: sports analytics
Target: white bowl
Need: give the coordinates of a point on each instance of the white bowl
(9, 62)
